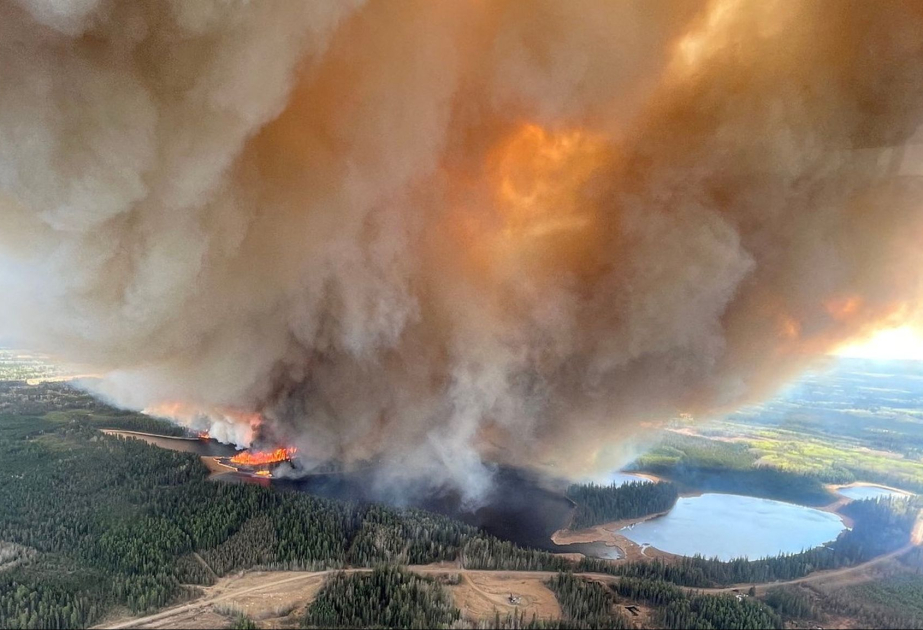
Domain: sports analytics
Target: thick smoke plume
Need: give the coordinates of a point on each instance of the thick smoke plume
(445, 235)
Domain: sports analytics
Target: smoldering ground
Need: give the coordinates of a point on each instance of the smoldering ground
(452, 235)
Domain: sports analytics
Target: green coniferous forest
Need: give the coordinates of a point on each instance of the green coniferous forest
(602, 504)
(115, 521)
(387, 597)
(678, 609)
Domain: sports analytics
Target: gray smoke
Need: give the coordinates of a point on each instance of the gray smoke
(442, 235)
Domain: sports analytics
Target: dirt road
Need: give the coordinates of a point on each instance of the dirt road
(225, 591)
(817, 576)
(217, 596)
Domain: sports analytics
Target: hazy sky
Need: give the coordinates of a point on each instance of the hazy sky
(903, 342)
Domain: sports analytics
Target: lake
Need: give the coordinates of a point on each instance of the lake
(868, 491)
(522, 507)
(731, 526)
(207, 448)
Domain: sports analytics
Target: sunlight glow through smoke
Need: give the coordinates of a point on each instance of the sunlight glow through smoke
(904, 342)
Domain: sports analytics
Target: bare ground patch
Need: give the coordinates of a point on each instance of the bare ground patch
(482, 596)
(607, 534)
(12, 555)
(275, 599)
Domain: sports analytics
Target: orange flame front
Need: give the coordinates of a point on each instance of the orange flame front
(261, 458)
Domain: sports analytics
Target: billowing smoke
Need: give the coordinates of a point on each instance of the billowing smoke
(445, 235)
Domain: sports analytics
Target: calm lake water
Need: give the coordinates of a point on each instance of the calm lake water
(208, 448)
(731, 526)
(861, 492)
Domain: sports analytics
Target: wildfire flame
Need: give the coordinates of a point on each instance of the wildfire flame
(260, 458)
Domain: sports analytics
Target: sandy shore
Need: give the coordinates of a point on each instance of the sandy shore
(648, 476)
(215, 466)
(607, 534)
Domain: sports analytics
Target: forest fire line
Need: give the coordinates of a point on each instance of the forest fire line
(262, 458)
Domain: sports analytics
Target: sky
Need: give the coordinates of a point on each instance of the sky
(903, 342)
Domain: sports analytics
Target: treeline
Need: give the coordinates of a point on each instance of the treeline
(701, 464)
(489, 553)
(602, 504)
(388, 597)
(674, 608)
(881, 526)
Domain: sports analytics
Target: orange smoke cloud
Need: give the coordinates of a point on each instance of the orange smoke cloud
(539, 177)
(844, 307)
(442, 235)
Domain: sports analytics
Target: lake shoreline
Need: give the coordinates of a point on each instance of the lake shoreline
(775, 523)
(607, 534)
(142, 436)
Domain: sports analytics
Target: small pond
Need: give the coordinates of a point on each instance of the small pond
(868, 491)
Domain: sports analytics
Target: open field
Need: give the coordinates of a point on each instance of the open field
(22, 365)
(836, 461)
(273, 598)
(859, 421)
(279, 599)
(480, 595)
